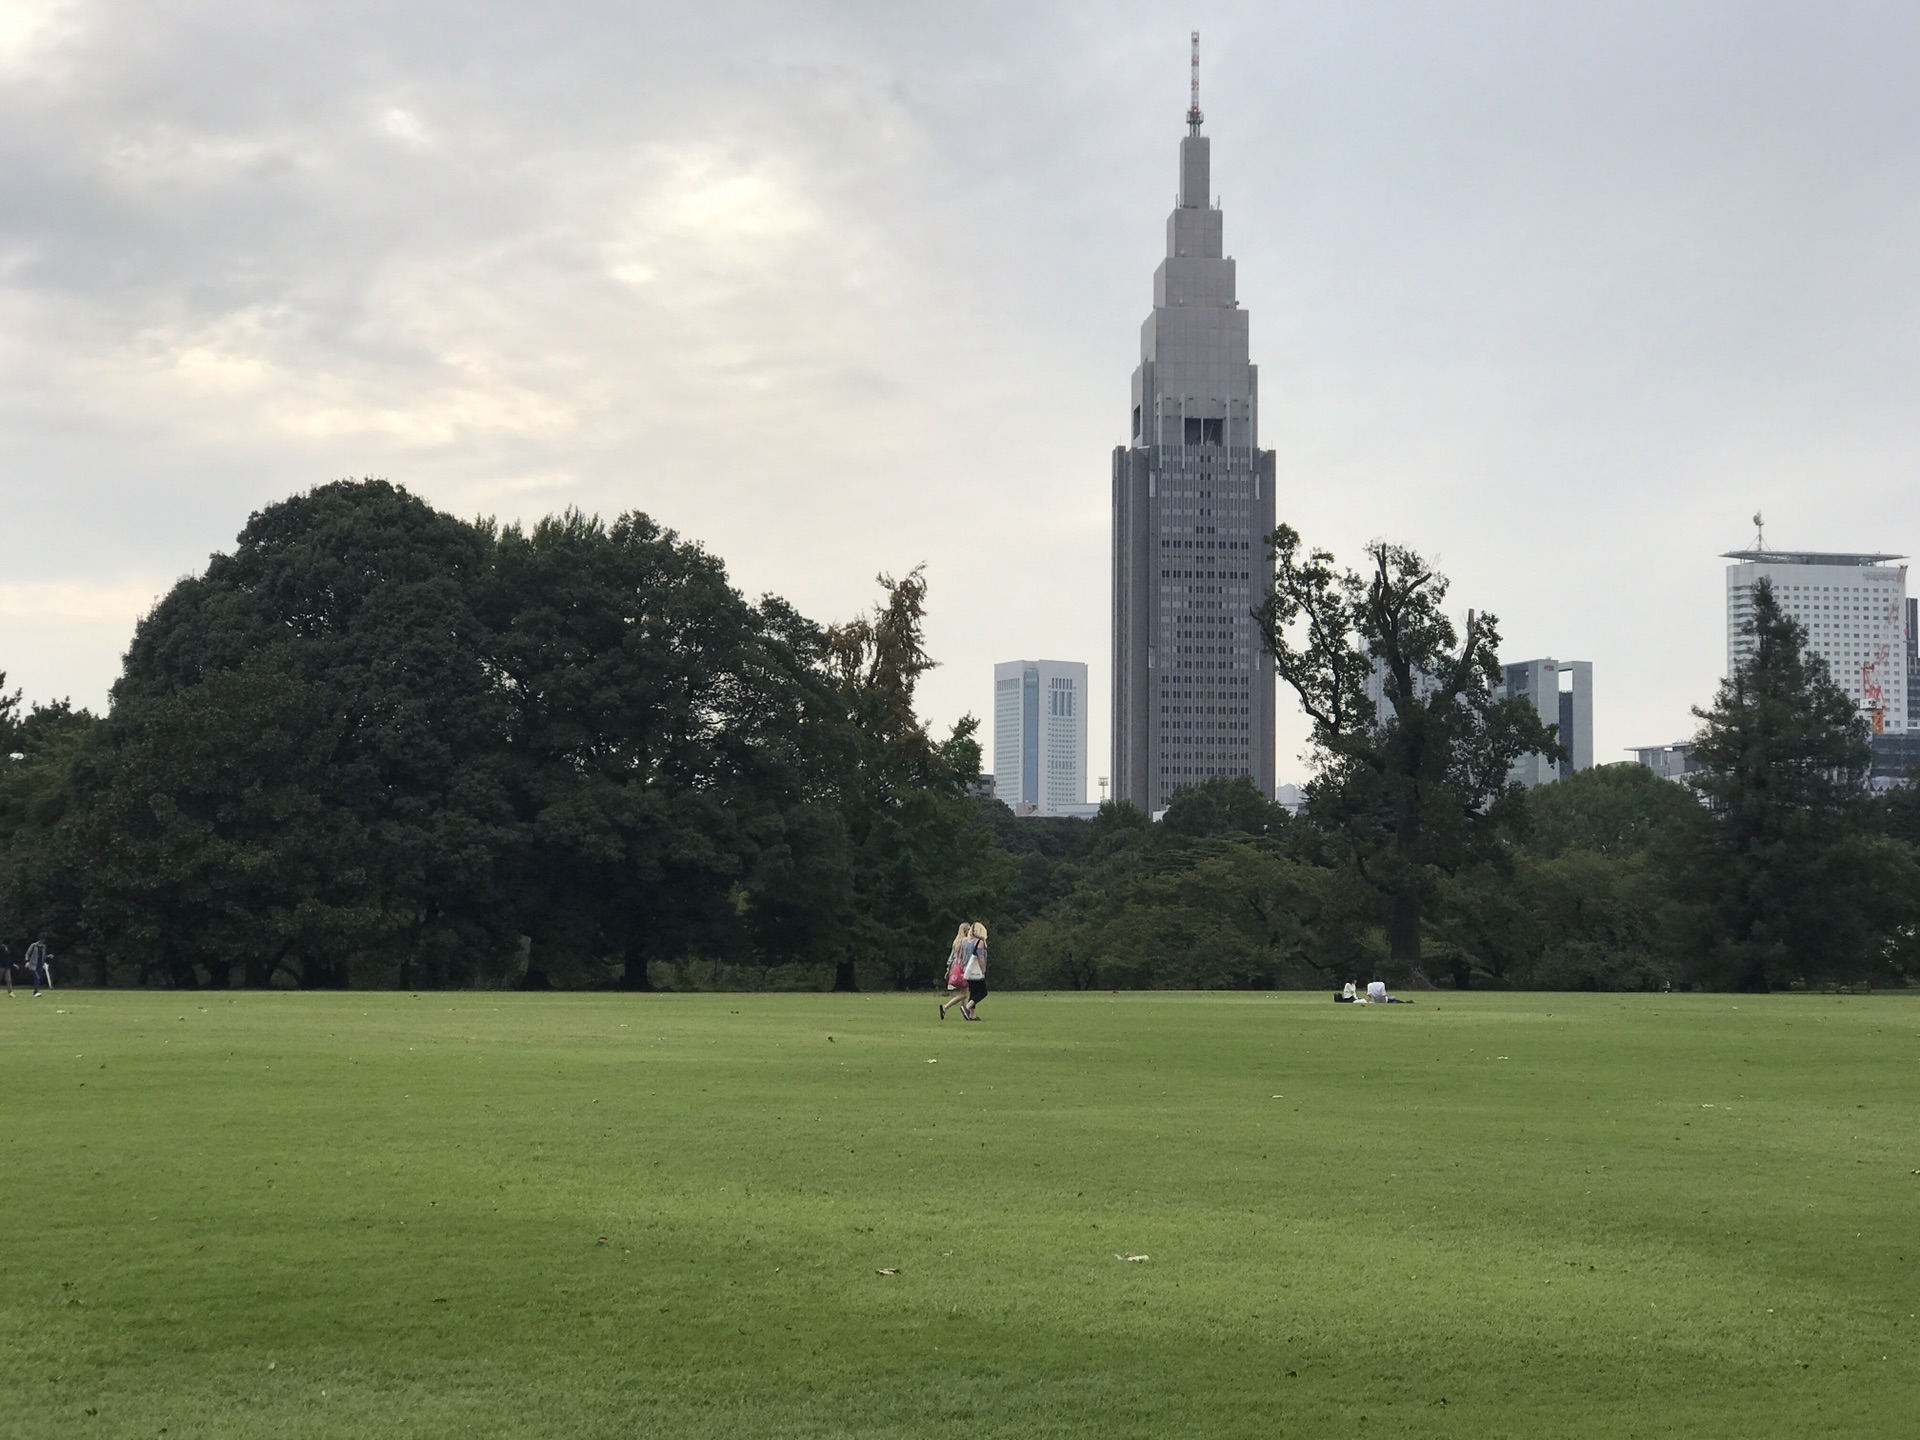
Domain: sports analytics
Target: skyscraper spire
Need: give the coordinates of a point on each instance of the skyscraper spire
(1194, 117)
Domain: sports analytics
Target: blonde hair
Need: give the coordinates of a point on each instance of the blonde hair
(979, 930)
(966, 932)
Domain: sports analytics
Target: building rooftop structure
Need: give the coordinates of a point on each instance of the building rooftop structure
(1808, 557)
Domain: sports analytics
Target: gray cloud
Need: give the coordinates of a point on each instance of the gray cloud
(1557, 294)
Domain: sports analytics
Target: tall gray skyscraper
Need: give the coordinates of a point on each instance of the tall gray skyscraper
(1192, 506)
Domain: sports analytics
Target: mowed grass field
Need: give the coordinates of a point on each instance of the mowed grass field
(494, 1215)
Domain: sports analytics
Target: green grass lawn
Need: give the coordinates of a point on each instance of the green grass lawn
(1524, 1215)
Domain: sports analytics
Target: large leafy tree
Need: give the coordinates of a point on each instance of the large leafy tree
(213, 839)
(306, 752)
(1791, 879)
(376, 744)
(1420, 784)
(676, 753)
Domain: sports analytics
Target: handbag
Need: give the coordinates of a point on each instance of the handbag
(956, 975)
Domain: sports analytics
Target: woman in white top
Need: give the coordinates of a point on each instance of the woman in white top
(975, 971)
(956, 968)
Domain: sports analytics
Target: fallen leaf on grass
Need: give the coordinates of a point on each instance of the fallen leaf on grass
(1134, 1259)
(601, 1241)
(893, 1270)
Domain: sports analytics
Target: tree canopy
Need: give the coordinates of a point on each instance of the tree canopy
(1417, 782)
(1788, 875)
(377, 745)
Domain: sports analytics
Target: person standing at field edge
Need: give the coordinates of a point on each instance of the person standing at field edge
(6, 964)
(956, 968)
(37, 968)
(975, 972)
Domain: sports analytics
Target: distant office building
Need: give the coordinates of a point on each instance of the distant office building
(1376, 690)
(1669, 762)
(1040, 737)
(1539, 683)
(1193, 689)
(1570, 708)
(1855, 611)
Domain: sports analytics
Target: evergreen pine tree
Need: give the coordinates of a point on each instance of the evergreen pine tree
(1789, 882)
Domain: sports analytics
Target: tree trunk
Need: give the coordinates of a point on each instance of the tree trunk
(844, 979)
(1403, 917)
(1403, 931)
(634, 976)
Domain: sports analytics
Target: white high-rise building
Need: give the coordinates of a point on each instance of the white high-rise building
(1040, 737)
(1571, 709)
(1854, 608)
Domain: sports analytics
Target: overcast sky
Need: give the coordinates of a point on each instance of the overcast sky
(1557, 294)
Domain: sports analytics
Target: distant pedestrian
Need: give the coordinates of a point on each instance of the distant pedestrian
(975, 972)
(38, 969)
(6, 964)
(957, 969)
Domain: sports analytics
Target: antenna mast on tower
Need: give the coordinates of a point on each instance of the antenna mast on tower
(1194, 117)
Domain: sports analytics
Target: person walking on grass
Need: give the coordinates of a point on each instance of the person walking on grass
(957, 969)
(37, 970)
(975, 972)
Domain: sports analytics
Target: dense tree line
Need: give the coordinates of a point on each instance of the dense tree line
(376, 745)
(379, 745)
(1773, 867)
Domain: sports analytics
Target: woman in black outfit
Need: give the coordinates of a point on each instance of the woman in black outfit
(976, 973)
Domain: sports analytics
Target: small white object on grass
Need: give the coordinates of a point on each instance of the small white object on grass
(892, 1270)
(1133, 1259)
